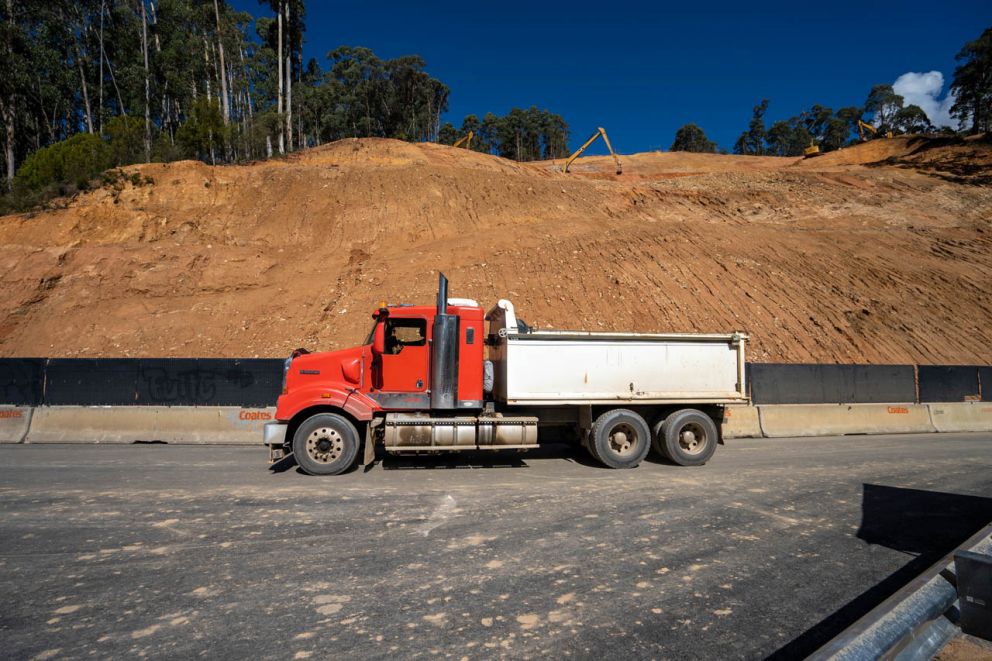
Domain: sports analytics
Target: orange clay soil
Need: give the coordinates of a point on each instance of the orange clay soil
(878, 253)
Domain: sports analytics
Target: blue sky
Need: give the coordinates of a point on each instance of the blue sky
(642, 69)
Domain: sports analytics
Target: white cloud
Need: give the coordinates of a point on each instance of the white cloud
(923, 90)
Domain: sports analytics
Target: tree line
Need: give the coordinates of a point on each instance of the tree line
(523, 135)
(89, 85)
(883, 109)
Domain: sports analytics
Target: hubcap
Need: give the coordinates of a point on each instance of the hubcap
(623, 439)
(324, 445)
(692, 438)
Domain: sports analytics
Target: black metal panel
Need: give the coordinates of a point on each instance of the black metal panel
(22, 381)
(209, 381)
(948, 383)
(985, 376)
(773, 383)
(91, 381)
(974, 574)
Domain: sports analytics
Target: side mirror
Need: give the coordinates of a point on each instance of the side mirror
(379, 339)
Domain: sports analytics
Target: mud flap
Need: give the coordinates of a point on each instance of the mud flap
(369, 457)
(283, 463)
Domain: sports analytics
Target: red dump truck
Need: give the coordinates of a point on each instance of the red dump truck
(432, 379)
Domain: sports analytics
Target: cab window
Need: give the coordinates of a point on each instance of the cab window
(405, 333)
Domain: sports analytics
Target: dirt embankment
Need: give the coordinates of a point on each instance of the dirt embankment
(877, 253)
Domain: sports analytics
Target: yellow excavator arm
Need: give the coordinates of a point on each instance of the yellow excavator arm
(578, 152)
(865, 126)
(465, 141)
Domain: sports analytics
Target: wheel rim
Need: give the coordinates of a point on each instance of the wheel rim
(324, 445)
(624, 439)
(692, 438)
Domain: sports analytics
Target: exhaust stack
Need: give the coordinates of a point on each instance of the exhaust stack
(444, 355)
(442, 294)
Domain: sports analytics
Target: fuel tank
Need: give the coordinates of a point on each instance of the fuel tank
(405, 432)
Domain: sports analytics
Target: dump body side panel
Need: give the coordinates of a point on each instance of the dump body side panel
(579, 367)
(559, 369)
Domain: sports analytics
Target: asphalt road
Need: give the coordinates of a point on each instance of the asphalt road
(770, 549)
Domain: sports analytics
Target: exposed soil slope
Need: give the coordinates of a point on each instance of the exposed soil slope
(876, 253)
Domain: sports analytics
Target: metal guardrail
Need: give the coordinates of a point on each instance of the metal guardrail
(915, 622)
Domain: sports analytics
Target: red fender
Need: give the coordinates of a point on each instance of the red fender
(352, 402)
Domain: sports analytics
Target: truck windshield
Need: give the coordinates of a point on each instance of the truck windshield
(371, 335)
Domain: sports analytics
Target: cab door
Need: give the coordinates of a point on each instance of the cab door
(404, 365)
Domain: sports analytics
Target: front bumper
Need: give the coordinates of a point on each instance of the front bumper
(275, 434)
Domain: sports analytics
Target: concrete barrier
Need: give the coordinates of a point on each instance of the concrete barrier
(839, 419)
(213, 425)
(229, 425)
(962, 416)
(232, 425)
(741, 422)
(14, 423)
(92, 424)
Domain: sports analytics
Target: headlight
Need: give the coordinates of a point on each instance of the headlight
(285, 372)
(289, 361)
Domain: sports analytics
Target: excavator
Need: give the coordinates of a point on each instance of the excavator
(465, 141)
(865, 126)
(578, 152)
(812, 150)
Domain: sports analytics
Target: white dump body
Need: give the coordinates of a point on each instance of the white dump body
(579, 367)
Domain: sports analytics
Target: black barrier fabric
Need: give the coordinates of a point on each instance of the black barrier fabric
(948, 383)
(22, 381)
(773, 383)
(90, 381)
(209, 381)
(256, 382)
(163, 382)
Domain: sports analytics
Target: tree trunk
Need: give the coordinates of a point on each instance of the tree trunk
(7, 105)
(99, 108)
(86, 94)
(206, 64)
(164, 116)
(289, 81)
(7, 112)
(282, 149)
(226, 109)
(247, 88)
(44, 114)
(148, 89)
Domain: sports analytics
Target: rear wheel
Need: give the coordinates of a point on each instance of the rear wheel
(619, 439)
(325, 444)
(687, 437)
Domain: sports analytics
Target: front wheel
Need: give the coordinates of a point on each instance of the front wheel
(325, 444)
(687, 437)
(619, 439)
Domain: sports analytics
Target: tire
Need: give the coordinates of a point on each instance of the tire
(687, 437)
(325, 444)
(619, 439)
(657, 438)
